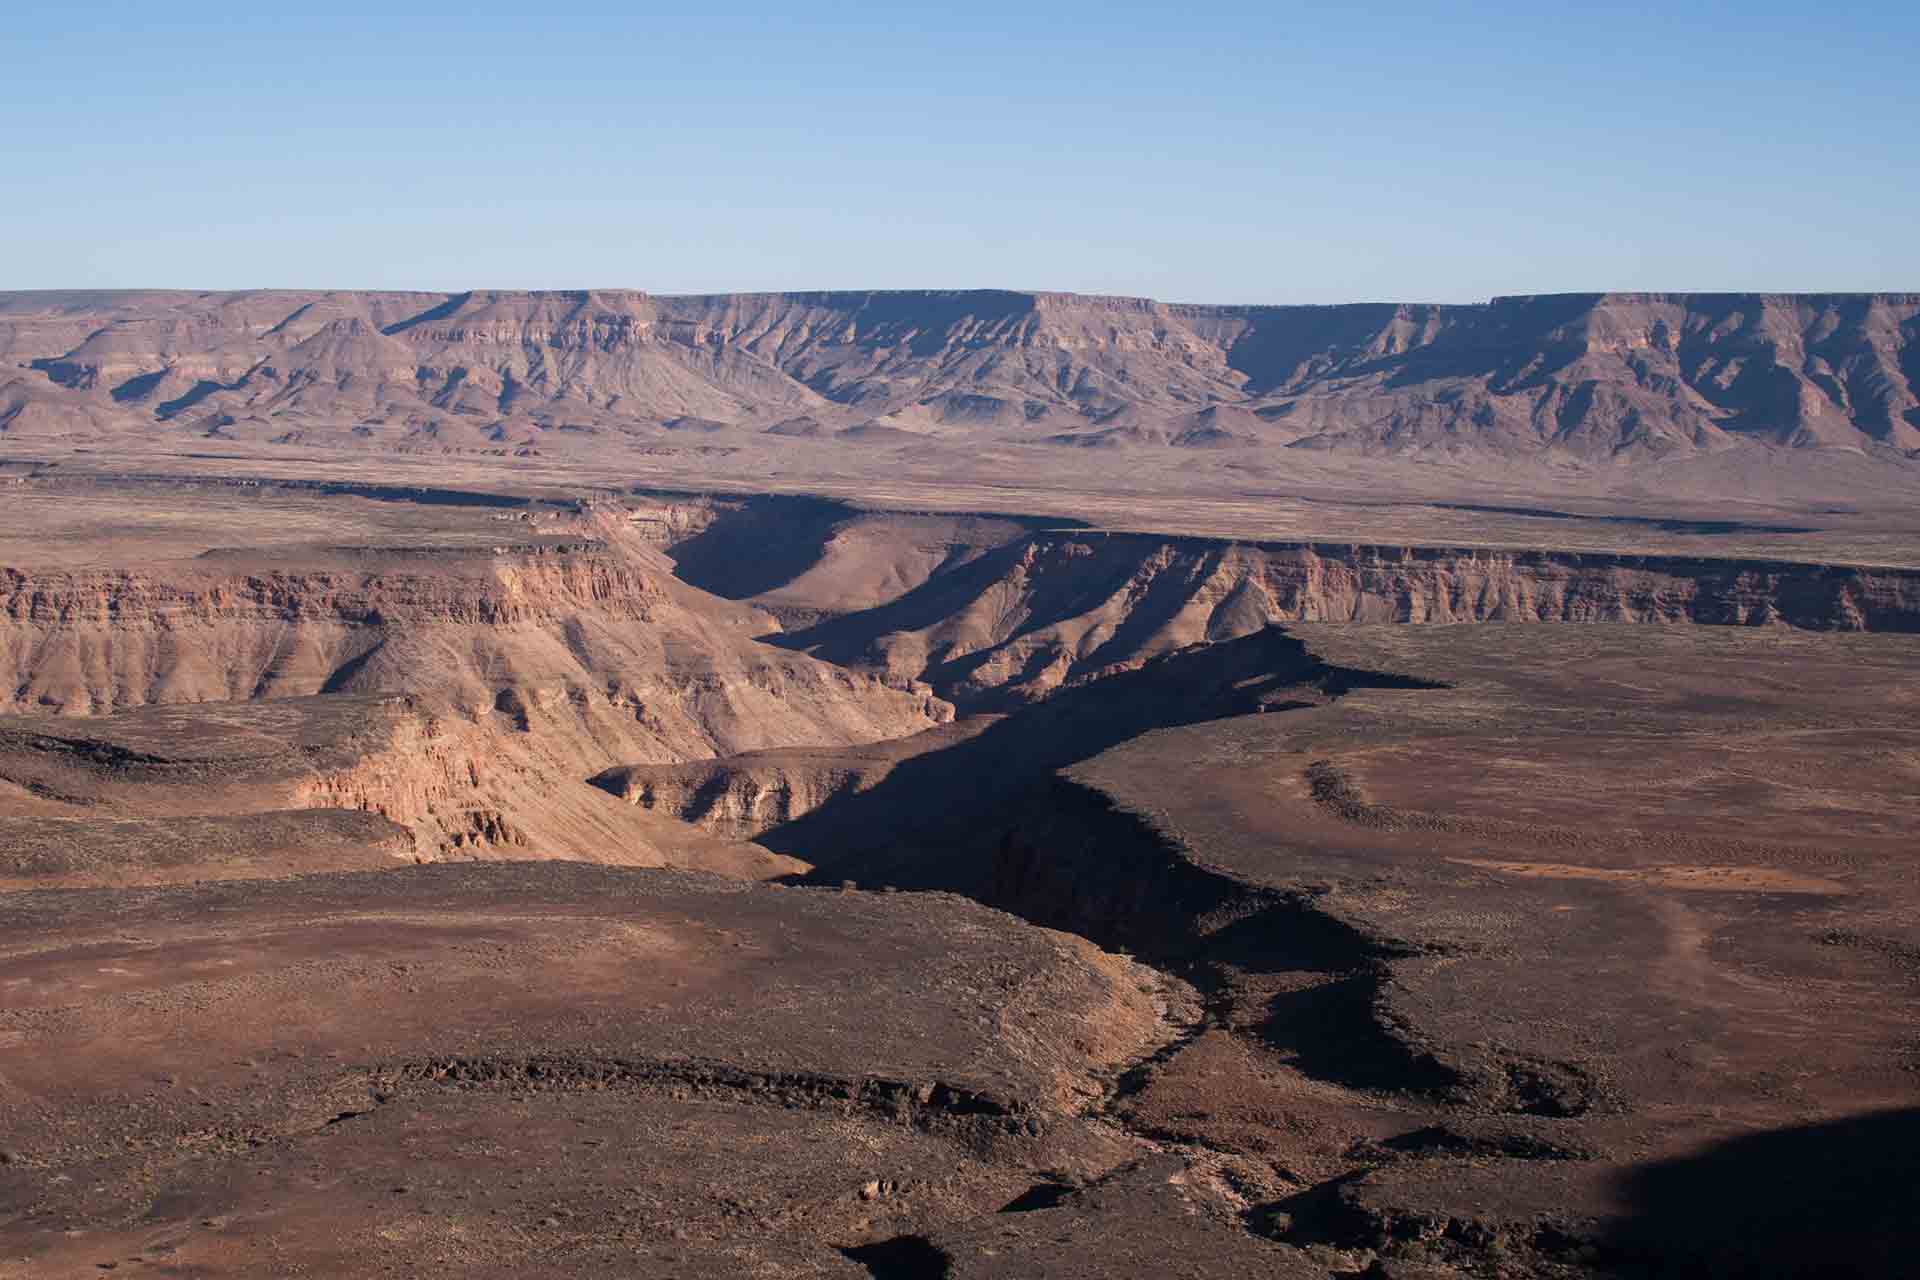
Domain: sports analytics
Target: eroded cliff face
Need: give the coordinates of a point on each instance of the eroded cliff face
(1596, 377)
(739, 797)
(742, 796)
(640, 657)
(508, 786)
(513, 674)
(1056, 609)
(334, 782)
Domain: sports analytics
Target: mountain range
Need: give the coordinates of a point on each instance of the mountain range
(1574, 378)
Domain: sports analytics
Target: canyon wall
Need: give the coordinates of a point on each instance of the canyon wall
(642, 661)
(1054, 609)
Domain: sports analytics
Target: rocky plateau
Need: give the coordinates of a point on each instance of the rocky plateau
(477, 835)
(809, 381)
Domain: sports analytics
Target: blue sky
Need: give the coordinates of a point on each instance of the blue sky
(1230, 152)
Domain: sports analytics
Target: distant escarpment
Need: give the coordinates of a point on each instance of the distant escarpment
(1576, 377)
(1052, 609)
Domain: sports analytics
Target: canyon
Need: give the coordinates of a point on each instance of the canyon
(583, 863)
(1348, 713)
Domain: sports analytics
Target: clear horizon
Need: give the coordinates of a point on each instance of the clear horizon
(1246, 155)
(958, 289)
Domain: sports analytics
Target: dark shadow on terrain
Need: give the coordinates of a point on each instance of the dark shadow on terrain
(902, 1258)
(991, 818)
(1322, 1214)
(1058, 581)
(1513, 343)
(952, 791)
(845, 638)
(848, 639)
(768, 542)
(339, 678)
(1836, 1200)
(1041, 1195)
(1665, 524)
(439, 312)
(1441, 1140)
(922, 319)
(1069, 859)
(194, 395)
(423, 495)
(1910, 370)
(137, 387)
(1283, 342)
(1332, 1032)
(1166, 595)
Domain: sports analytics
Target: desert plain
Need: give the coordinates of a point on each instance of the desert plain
(958, 785)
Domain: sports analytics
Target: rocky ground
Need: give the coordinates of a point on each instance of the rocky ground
(1140, 905)
(541, 1069)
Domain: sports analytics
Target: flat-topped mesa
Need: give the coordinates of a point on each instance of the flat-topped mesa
(1602, 378)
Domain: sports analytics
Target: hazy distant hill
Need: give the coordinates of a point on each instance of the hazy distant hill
(1569, 377)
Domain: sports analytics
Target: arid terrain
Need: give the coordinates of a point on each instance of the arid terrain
(967, 785)
(1591, 375)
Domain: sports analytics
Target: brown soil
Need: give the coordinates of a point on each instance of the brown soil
(1295, 946)
(458, 1060)
(1707, 879)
